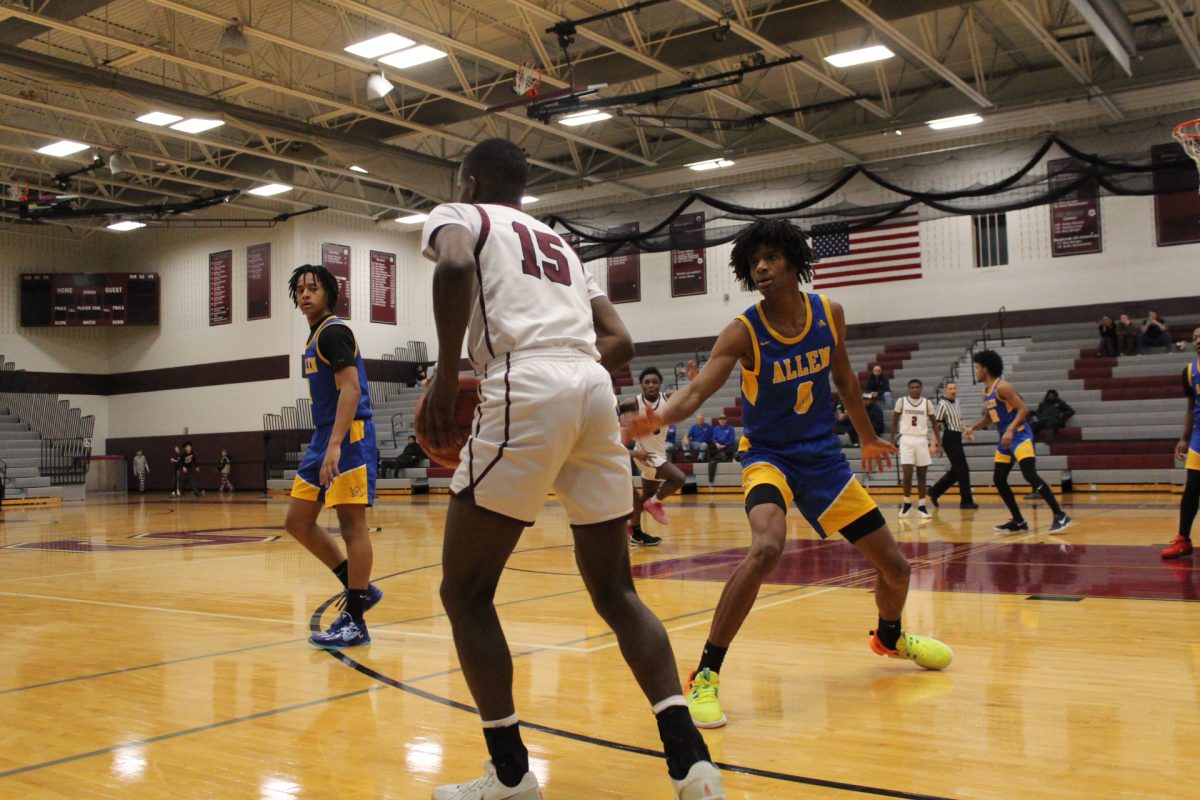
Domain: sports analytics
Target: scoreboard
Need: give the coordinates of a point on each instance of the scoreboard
(64, 299)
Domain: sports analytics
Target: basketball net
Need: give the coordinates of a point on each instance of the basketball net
(527, 78)
(1188, 136)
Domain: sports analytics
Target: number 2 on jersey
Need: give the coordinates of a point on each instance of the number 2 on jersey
(557, 269)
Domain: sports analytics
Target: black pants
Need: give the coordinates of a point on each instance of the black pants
(715, 457)
(959, 472)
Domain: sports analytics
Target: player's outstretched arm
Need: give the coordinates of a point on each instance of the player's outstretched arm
(454, 291)
(1181, 447)
(612, 337)
(876, 453)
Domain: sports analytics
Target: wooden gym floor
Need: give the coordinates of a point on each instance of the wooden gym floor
(155, 648)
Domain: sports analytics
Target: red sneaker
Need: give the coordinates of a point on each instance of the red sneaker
(1179, 547)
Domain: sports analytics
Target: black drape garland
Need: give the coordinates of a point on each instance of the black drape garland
(1091, 168)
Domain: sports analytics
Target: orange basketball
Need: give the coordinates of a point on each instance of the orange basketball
(464, 415)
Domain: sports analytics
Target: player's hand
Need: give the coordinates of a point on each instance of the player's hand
(876, 454)
(1006, 440)
(691, 370)
(1181, 450)
(329, 467)
(641, 456)
(935, 451)
(969, 435)
(436, 421)
(635, 425)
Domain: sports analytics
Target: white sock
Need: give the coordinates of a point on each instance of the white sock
(663, 705)
(500, 723)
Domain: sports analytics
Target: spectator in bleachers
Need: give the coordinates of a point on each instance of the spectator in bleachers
(879, 385)
(697, 439)
(1126, 336)
(723, 448)
(411, 456)
(1052, 413)
(874, 413)
(1155, 333)
(672, 432)
(842, 423)
(1108, 337)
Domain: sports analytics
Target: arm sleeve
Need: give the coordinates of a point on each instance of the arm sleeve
(449, 214)
(336, 344)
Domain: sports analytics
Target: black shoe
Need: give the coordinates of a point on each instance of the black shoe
(1012, 526)
(968, 505)
(933, 499)
(644, 539)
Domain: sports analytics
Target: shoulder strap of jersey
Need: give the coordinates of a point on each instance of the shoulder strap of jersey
(823, 304)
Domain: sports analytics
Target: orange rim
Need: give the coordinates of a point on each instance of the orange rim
(1182, 131)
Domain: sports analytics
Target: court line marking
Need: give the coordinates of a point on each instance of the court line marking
(135, 606)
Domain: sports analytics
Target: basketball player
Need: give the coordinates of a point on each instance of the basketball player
(544, 338)
(660, 478)
(788, 347)
(338, 468)
(910, 426)
(1005, 407)
(1188, 451)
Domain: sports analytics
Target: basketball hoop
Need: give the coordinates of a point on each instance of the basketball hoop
(527, 78)
(1188, 136)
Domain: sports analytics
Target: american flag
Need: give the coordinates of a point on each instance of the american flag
(890, 252)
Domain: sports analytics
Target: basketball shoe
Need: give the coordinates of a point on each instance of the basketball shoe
(1178, 548)
(344, 632)
(1012, 526)
(654, 507)
(925, 651)
(923, 512)
(703, 688)
(703, 782)
(490, 787)
(643, 539)
(905, 509)
(1061, 523)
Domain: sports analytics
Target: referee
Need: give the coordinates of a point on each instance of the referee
(950, 416)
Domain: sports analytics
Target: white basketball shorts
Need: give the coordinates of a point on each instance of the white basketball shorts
(915, 450)
(649, 467)
(547, 419)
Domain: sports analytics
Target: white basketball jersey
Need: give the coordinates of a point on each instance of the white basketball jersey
(533, 289)
(914, 416)
(657, 441)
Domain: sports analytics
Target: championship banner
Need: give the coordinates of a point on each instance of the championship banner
(688, 272)
(258, 281)
(1074, 217)
(336, 259)
(625, 268)
(1176, 202)
(383, 287)
(220, 288)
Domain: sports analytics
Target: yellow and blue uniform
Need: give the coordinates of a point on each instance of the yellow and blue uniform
(787, 414)
(1193, 380)
(1002, 415)
(355, 483)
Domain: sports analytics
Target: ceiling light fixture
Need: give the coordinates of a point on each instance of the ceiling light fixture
(378, 86)
(584, 118)
(954, 122)
(159, 118)
(126, 225)
(412, 219)
(357, 168)
(62, 148)
(712, 163)
(528, 200)
(864, 55)
(233, 41)
(270, 189)
(196, 125)
(379, 45)
(413, 56)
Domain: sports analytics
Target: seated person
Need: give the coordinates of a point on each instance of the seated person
(1155, 333)
(879, 386)
(1052, 413)
(1126, 336)
(723, 448)
(411, 456)
(1108, 337)
(843, 424)
(698, 437)
(672, 432)
(874, 412)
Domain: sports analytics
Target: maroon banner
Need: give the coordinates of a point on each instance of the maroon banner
(220, 288)
(383, 287)
(1176, 201)
(1074, 217)
(258, 281)
(625, 268)
(688, 273)
(336, 259)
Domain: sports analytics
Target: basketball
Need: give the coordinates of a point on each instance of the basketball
(464, 415)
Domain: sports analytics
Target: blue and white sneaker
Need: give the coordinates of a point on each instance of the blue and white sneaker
(344, 632)
(1061, 523)
(374, 595)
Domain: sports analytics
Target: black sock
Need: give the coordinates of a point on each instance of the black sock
(342, 571)
(713, 657)
(1047, 494)
(1189, 503)
(356, 600)
(888, 632)
(682, 743)
(509, 756)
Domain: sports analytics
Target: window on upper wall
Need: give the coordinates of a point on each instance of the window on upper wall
(991, 240)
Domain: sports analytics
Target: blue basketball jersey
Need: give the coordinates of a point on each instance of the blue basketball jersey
(1194, 385)
(786, 400)
(1000, 413)
(322, 383)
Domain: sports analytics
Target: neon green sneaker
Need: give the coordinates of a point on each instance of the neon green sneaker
(925, 651)
(702, 690)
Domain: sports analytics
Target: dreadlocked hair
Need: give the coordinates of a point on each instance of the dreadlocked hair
(777, 233)
(323, 276)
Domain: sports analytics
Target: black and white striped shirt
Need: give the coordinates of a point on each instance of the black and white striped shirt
(949, 415)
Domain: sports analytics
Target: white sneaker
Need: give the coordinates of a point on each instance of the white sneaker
(923, 512)
(703, 782)
(489, 787)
